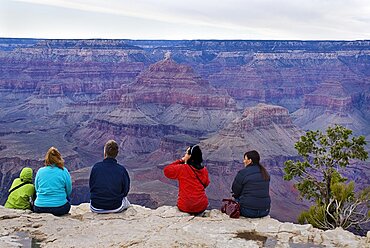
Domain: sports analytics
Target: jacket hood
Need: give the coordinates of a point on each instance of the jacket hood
(26, 174)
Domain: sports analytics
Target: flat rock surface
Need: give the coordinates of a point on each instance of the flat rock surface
(162, 227)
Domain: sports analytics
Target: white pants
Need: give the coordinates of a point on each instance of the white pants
(125, 204)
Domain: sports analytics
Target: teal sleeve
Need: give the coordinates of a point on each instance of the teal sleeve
(68, 183)
(37, 181)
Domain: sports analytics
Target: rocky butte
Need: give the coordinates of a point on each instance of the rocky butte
(157, 97)
(163, 227)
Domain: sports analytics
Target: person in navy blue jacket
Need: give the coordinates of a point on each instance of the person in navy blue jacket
(251, 187)
(109, 183)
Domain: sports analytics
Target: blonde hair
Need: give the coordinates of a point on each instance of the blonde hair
(53, 156)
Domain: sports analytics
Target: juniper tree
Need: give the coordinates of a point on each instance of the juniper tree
(318, 177)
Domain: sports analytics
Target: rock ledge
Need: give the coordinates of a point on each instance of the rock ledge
(162, 227)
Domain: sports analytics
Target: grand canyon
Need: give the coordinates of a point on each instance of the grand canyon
(156, 97)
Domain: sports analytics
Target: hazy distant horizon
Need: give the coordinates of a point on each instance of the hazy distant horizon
(26, 38)
(191, 20)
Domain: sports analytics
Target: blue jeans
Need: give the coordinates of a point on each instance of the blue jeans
(254, 213)
(57, 211)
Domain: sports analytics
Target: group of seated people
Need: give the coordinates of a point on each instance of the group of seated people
(109, 185)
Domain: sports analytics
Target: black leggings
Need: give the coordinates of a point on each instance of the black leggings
(57, 211)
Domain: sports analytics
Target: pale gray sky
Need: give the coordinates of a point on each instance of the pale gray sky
(190, 19)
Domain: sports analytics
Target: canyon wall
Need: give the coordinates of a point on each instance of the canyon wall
(157, 97)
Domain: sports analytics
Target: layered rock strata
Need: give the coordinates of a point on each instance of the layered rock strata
(167, 99)
(76, 94)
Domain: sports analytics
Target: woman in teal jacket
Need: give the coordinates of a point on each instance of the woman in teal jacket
(22, 191)
(53, 185)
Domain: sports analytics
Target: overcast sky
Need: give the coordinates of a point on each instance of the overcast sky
(187, 19)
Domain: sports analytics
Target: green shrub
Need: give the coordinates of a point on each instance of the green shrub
(318, 178)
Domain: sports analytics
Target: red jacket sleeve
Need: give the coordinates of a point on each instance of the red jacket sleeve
(207, 180)
(172, 170)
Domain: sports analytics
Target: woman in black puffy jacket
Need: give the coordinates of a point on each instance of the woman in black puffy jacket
(251, 187)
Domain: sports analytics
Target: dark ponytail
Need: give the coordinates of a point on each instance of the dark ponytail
(255, 157)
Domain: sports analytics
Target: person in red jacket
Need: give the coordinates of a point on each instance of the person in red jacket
(193, 180)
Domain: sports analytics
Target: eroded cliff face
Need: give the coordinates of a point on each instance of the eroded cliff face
(167, 99)
(163, 227)
(157, 97)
